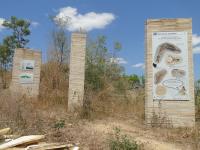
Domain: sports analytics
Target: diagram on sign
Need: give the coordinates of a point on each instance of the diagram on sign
(170, 66)
(26, 78)
(27, 64)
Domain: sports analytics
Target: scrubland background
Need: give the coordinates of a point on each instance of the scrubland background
(113, 113)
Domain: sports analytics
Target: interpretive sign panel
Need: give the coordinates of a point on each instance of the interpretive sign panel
(170, 66)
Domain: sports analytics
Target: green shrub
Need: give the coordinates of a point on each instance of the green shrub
(121, 142)
(60, 124)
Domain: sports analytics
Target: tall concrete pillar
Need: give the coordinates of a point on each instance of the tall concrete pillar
(77, 71)
(169, 95)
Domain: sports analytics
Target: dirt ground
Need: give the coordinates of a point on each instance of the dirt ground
(32, 117)
(94, 135)
(141, 134)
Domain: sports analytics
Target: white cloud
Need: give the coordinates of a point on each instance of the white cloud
(195, 39)
(139, 65)
(1, 22)
(118, 60)
(196, 43)
(196, 50)
(73, 21)
(34, 23)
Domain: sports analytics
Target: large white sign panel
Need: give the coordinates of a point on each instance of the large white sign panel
(170, 66)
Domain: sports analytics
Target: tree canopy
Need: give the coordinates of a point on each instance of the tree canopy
(20, 30)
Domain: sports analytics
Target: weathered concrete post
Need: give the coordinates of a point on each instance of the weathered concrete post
(77, 71)
(26, 72)
(169, 73)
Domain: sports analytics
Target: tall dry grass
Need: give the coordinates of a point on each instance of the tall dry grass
(21, 112)
(48, 114)
(5, 78)
(54, 84)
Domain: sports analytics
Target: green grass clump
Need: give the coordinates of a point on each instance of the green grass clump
(122, 142)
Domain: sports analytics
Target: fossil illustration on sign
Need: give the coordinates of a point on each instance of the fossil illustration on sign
(159, 76)
(173, 84)
(178, 73)
(162, 49)
(161, 90)
(173, 59)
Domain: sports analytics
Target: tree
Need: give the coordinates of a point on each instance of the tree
(96, 63)
(142, 81)
(58, 53)
(5, 60)
(101, 74)
(197, 93)
(20, 29)
(134, 80)
(117, 48)
(115, 70)
(99, 68)
(59, 49)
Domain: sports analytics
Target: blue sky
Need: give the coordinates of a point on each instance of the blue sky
(127, 26)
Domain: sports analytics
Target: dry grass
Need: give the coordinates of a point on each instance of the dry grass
(30, 116)
(48, 114)
(54, 84)
(189, 138)
(5, 78)
(109, 103)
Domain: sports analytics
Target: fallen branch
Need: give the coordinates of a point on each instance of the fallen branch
(22, 141)
(4, 131)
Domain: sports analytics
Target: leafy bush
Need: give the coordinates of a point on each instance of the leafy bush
(60, 124)
(121, 142)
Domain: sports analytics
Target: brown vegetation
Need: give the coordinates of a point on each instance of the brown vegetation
(49, 116)
(111, 100)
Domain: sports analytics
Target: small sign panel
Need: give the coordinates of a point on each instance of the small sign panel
(27, 65)
(170, 66)
(26, 78)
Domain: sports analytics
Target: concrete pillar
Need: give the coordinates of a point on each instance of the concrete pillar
(169, 95)
(77, 71)
(26, 72)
